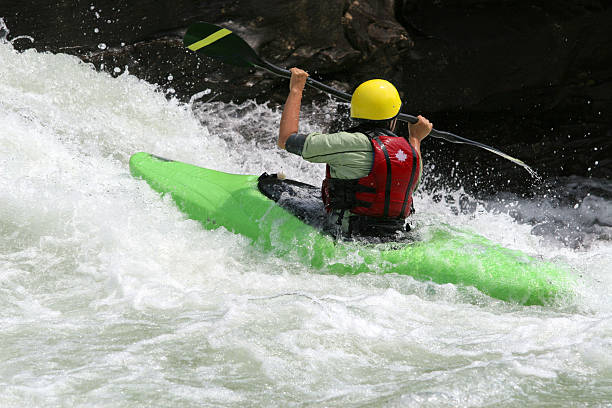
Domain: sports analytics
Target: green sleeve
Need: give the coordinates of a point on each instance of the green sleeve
(329, 148)
(349, 155)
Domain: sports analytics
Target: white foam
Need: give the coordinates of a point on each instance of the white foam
(107, 292)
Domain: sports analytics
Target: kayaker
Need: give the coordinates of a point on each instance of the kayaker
(371, 172)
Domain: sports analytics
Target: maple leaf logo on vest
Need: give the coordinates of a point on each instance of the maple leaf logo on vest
(401, 156)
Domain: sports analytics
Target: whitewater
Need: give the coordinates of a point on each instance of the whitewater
(110, 297)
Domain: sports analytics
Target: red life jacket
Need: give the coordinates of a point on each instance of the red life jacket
(385, 192)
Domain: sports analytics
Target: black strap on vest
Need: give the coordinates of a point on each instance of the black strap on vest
(414, 164)
(388, 183)
(342, 193)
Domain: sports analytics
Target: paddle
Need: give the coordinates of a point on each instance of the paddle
(218, 42)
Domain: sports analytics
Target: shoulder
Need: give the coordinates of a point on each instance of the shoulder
(338, 140)
(321, 146)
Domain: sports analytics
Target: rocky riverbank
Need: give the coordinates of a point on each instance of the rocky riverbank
(534, 80)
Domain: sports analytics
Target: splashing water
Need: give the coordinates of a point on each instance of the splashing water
(110, 297)
(4, 32)
(534, 174)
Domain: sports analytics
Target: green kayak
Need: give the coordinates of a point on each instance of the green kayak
(283, 218)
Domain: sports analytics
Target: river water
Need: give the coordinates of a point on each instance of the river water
(110, 297)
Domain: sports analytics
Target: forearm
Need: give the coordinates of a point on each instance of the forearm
(290, 118)
(419, 131)
(416, 144)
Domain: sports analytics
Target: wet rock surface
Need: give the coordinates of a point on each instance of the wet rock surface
(534, 80)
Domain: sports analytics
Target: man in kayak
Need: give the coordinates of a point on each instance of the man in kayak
(371, 172)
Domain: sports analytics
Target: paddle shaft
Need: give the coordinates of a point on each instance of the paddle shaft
(450, 137)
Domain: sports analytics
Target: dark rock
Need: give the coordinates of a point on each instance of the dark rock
(533, 79)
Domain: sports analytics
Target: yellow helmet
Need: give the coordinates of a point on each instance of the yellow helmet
(375, 99)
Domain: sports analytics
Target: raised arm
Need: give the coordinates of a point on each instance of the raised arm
(290, 118)
(419, 131)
